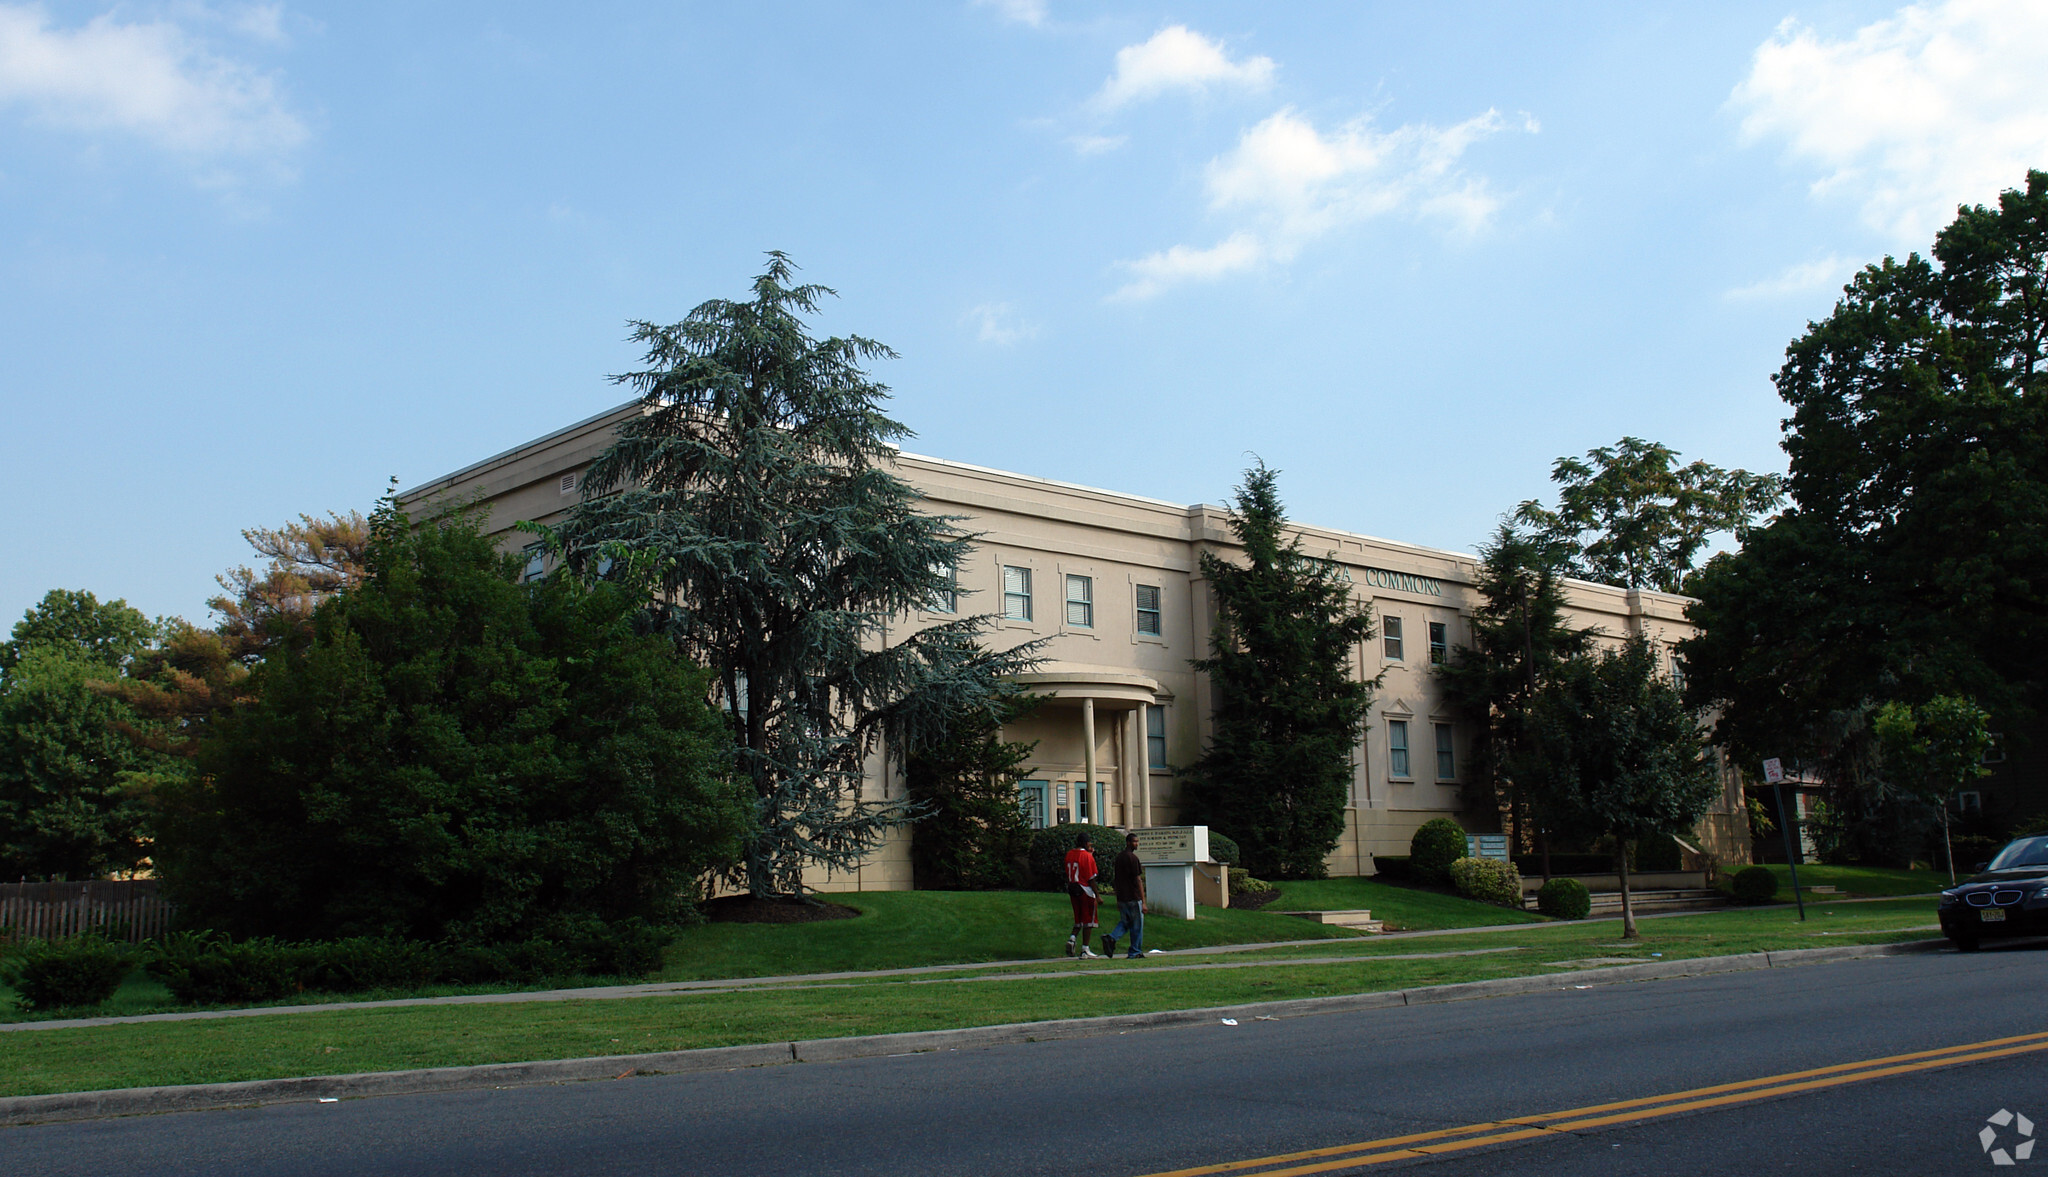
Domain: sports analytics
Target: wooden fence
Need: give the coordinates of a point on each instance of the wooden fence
(131, 911)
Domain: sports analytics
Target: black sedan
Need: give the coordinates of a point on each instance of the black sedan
(2008, 897)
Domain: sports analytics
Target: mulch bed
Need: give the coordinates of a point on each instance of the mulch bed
(1243, 902)
(747, 909)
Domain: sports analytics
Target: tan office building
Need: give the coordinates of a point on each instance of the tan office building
(1113, 580)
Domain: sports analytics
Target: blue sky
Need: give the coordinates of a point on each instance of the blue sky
(256, 260)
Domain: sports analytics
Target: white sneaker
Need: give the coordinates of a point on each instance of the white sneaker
(1155, 952)
(1089, 954)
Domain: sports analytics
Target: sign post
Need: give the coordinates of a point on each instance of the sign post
(1170, 854)
(1775, 774)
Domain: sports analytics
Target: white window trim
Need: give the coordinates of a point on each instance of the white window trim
(1407, 720)
(1157, 579)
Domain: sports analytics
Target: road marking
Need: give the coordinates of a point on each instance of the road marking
(1513, 1128)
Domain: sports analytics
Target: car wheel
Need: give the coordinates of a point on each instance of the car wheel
(1966, 943)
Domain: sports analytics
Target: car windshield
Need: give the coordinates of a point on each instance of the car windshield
(2025, 852)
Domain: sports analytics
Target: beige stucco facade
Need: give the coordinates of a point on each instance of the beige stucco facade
(1094, 564)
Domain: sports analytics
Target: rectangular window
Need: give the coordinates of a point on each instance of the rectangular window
(1994, 752)
(1439, 643)
(536, 565)
(1148, 609)
(1446, 753)
(1397, 749)
(1155, 737)
(1081, 811)
(1017, 594)
(946, 597)
(1390, 637)
(1081, 601)
(1970, 802)
(1031, 800)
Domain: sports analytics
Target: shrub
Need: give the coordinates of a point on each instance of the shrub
(1755, 884)
(1566, 864)
(56, 974)
(1223, 848)
(1241, 884)
(1488, 880)
(1658, 853)
(207, 968)
(1049, 848)
(1393, 868)
(1564, 899)
(1439, 843)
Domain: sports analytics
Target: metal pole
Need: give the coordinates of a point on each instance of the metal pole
(1791, 854)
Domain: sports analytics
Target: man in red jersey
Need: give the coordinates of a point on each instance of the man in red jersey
(1081, 890)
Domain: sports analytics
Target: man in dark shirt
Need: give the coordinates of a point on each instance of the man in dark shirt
(1130, 901)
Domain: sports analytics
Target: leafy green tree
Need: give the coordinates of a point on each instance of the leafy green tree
(453, 753)
(77, 622)
(1631, 516)
(1933, 750)
(973, 835)
(758, 479)
(1618, 753)
(74, 791)
(1289, 712)
(1913, 561)
(1519, 640)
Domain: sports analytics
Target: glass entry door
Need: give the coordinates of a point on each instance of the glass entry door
(1032, 800)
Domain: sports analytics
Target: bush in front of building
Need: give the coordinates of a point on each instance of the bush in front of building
(1656, 853)
(1223, 848)
(1755, 884)
(1049, 848)
(1564, 899)
(1488, 880)
(1439, 843)
(74, 973)
(1392, 868)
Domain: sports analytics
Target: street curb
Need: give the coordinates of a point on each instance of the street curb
(131, 1101)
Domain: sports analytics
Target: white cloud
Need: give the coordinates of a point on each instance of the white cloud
(996, 323)
(1804, 278)
(1294, 183)
(1097, 144)
(149, 80)
(1932, 107)
(1023, 12)
(1177, 58)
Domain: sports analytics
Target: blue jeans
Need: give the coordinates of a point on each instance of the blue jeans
(1130, 915)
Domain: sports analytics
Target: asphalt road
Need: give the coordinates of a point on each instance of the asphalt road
(1161, 1100)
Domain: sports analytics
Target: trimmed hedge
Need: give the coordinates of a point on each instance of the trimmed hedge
(1755, 884)
(1223, 848)
(1049, 848)
(78, 972)
(1439, 843)
(1564, 899)
(1488, 880)
(1567, 864)
(1392, 868)
(207, 968)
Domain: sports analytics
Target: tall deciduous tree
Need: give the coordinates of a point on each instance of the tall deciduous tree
(1914, 559)
(453, 753)
(1618, 753)
(1933, 750)
(1289, 710)
(1631, 516)
(1519, 641)
(758, 478)
(109, 633)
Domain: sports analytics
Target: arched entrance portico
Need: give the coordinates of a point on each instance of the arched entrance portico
(1106, 782)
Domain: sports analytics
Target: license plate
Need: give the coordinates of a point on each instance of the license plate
(1991, 915)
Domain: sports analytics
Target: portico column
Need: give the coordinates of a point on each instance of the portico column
(1088, 757)
(1144, 777)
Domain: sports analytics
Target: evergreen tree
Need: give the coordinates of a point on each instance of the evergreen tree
(1616, 752)
(757, 477)
(973, 835)
(1519, 641)
(452, 753)
(1288, 712)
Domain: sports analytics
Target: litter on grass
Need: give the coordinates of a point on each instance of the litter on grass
(1230, 1021)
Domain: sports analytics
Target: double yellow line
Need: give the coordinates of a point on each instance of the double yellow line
(1444, 1140)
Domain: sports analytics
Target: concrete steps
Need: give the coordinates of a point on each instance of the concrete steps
(1360, 920)
(1675, 899)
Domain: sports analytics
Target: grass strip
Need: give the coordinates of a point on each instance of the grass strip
(343, 1041)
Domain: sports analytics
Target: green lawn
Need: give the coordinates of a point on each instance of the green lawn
(900, 929)
(1403, 909)
(342, 1041)
(1858, 881)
